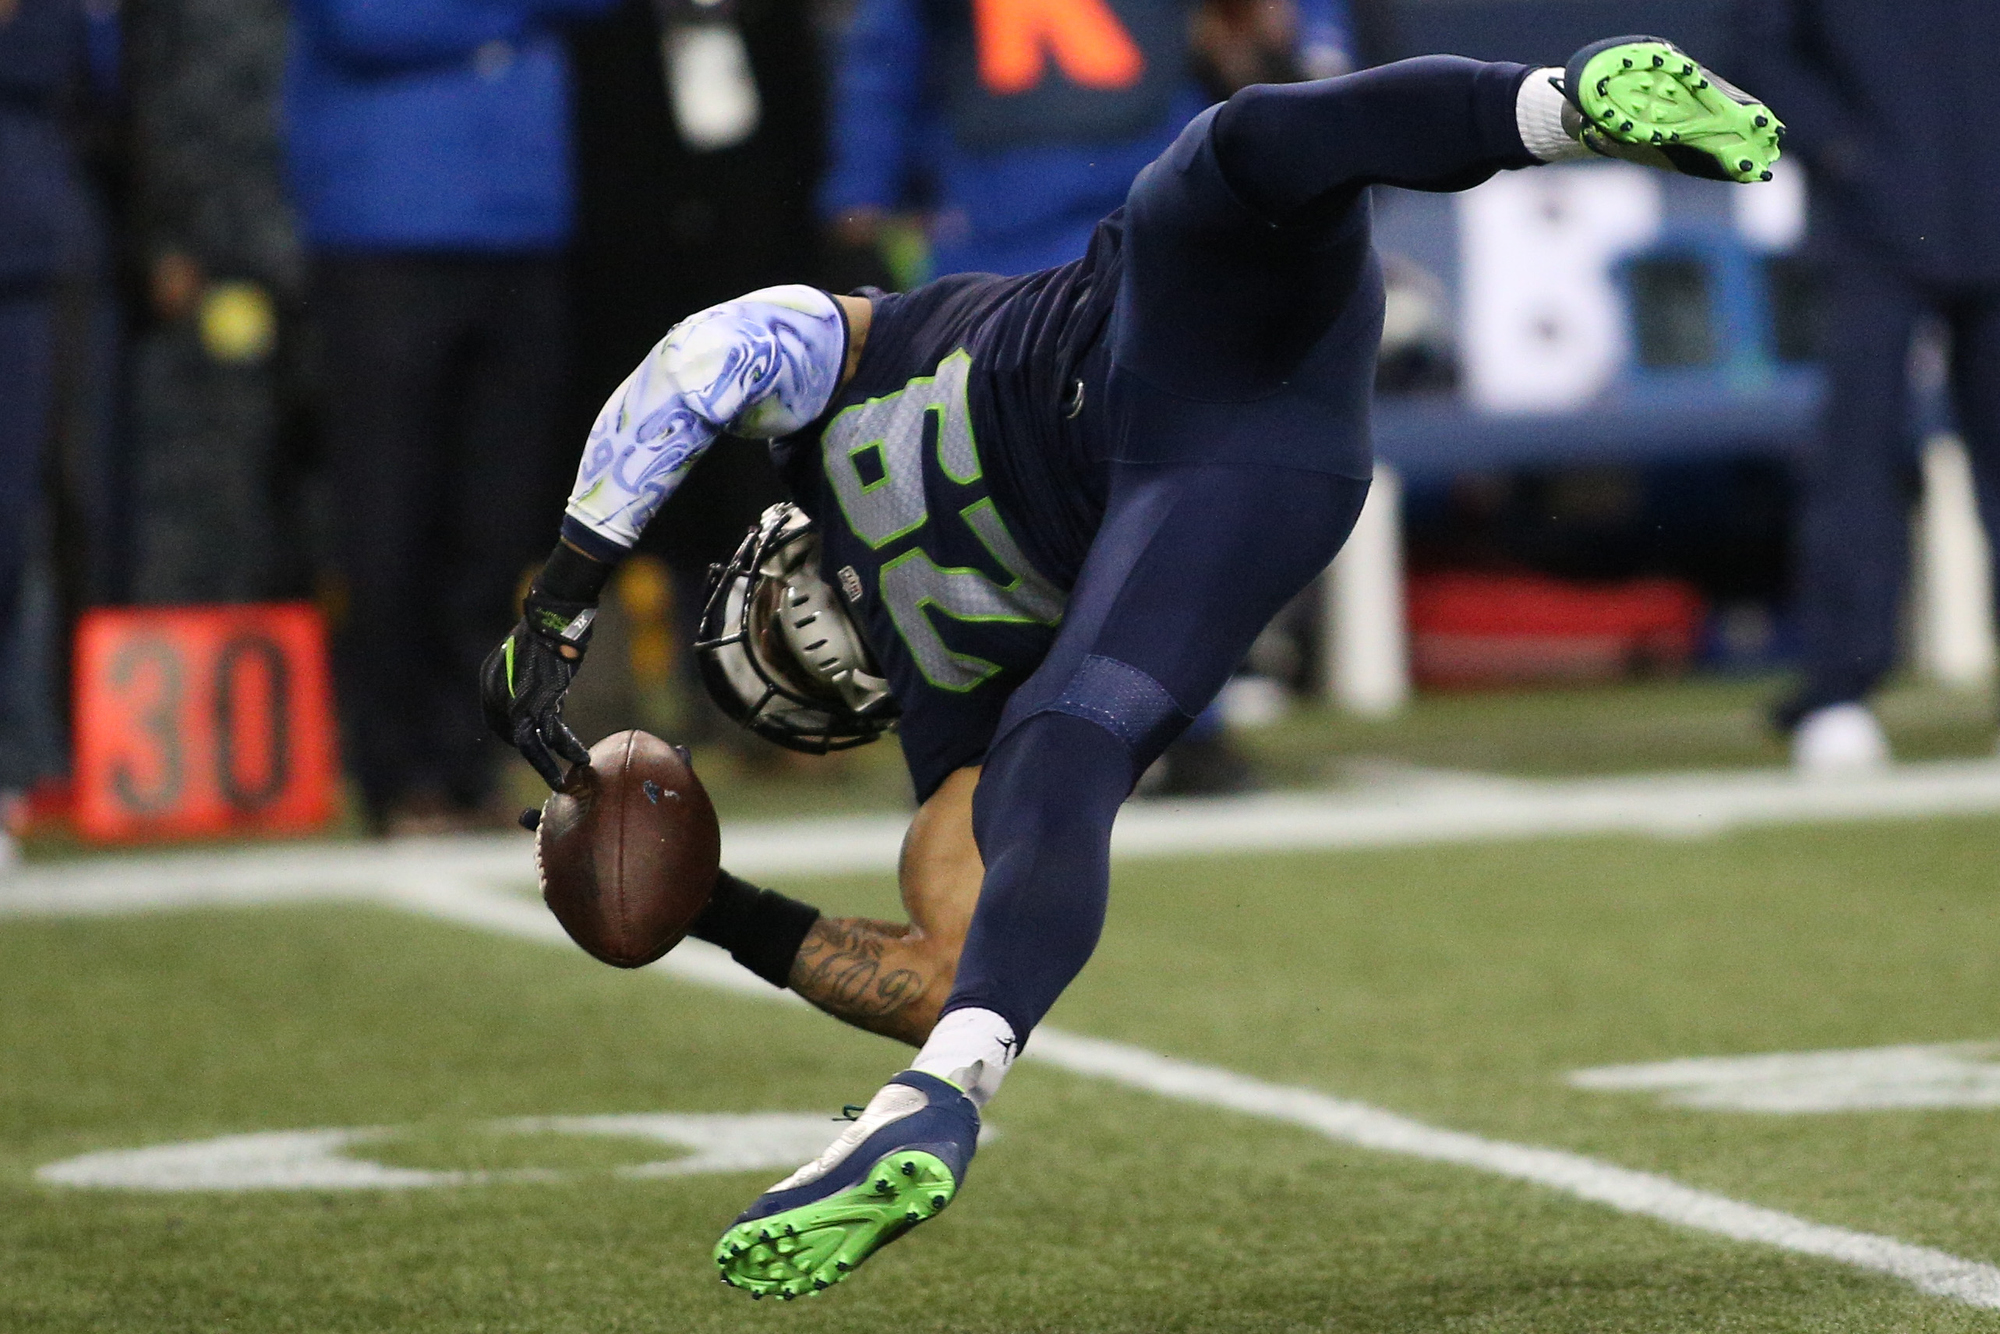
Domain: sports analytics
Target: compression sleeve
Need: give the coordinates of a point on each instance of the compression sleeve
(761, 366)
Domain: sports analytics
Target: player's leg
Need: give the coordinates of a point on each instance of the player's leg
(1190, 564)
(1976, 389)
(387, 326)
(1852, 541)
(498, 481)
(1447, 123)
(1432, 123)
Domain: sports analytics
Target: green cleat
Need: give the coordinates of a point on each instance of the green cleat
(1645, 100)
(899, 1165)
(816, 1245)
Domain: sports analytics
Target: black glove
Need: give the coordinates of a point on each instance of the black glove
(522, 683)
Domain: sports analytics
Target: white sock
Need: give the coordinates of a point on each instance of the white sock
(971, 1049)
(1538, 115)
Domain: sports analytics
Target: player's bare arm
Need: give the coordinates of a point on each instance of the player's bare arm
(892, 978)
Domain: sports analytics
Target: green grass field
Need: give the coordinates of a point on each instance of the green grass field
(1453, 985)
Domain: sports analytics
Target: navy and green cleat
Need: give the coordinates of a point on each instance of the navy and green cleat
(1646, 100)
(899, 1164)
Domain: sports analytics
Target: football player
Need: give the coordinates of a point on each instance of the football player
(1042, 519)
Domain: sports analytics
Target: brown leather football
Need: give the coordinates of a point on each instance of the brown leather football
(628, 850)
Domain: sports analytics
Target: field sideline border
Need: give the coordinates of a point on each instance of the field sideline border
(452, 879)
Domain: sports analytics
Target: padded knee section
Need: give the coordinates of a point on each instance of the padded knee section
(1127, 703)
(1043, 812)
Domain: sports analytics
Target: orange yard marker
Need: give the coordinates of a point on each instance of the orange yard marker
(203, 721)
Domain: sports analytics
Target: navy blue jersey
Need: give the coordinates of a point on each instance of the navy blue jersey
(957, 481)
(960, 478)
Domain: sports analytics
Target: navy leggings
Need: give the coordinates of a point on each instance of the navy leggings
(1243, 345)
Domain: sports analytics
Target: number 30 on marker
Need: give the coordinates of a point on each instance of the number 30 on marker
(194, 721)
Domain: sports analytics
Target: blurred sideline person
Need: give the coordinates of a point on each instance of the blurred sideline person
(430, 160)
(673, 217)
(214, 234)
(1017, 124)
(1043, 518)
(47, 228)
(1887, 108)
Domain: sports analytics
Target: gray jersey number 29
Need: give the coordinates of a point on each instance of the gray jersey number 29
(873, 454)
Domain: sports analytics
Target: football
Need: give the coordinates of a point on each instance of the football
(627, 851)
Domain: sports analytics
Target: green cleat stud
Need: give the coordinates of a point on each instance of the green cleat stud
(1650, 97)
(809, 1248)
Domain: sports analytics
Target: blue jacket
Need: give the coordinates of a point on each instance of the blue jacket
(42, 209)
(431, 124)
(996, 209)
(1887, 105)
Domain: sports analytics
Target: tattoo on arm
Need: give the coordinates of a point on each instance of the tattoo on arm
(842, 968)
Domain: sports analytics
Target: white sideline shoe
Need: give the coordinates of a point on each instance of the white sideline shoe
(10, 847)
(1839, 740)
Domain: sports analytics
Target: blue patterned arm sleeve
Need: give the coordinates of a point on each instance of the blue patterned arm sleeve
(761, 366)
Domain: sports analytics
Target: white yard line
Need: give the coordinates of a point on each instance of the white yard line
(1627, 1191)
(1641, 1193)
(443, 879)
(1402, 810)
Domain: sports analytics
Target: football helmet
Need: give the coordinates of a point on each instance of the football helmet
(779, 652)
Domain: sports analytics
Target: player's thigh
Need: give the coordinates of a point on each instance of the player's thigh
(1190, 565)
(940, 870)
(1217, 305)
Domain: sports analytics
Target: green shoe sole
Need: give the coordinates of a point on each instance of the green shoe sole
(1650, 94)
(806, 1250)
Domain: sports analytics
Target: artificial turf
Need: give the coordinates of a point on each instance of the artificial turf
(1455, 985)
